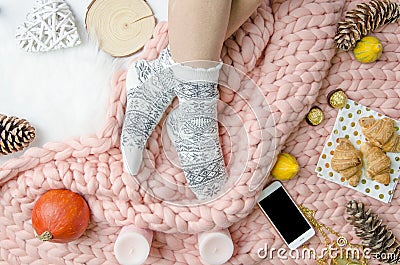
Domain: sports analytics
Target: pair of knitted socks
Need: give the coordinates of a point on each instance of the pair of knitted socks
(192, 127)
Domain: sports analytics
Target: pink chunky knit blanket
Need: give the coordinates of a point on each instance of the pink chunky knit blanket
(287, 48)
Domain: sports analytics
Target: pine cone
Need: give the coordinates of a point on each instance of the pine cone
(366, 18)
(15, 134)
(376, 236)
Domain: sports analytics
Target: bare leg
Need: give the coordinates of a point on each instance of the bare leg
(241, 10)
(197, 28)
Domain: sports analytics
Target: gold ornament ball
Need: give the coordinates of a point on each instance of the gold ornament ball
(368, 49)
(285, 168)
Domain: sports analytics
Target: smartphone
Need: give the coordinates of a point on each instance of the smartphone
(285, 216)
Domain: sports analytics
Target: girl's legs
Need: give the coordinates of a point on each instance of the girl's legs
(197, 30)
(142, 114)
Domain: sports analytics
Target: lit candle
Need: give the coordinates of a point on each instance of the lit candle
(215, 247)
(132, 246)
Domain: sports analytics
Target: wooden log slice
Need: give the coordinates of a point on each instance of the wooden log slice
(122, 27)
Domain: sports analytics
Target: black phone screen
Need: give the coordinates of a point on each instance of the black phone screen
(283, 213)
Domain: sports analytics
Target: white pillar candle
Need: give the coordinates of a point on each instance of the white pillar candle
(215, 247)
(132, 246)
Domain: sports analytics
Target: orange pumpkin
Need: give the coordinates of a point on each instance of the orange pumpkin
(60, 216)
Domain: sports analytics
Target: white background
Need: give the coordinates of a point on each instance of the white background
(63, 93)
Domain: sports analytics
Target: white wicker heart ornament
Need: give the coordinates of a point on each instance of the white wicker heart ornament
(50, 26)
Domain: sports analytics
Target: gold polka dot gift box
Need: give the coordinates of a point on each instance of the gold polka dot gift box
(347, 126)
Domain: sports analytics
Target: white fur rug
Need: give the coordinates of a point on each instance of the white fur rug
(61, 93)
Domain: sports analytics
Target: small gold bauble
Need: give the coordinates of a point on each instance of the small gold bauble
(286, 167)
(368, 49)
(337, 99)
(315, 116)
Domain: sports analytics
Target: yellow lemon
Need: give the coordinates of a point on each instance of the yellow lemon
(285, 168)
(368, 49)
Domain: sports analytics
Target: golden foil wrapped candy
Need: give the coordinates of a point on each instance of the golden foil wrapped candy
(337, 99)
(315, 116)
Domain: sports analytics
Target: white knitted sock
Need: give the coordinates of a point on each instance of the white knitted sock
(193, 128)
(149, 87)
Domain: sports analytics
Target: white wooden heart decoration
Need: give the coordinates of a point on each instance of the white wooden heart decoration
(50, 26)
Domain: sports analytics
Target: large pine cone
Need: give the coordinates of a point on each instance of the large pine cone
(377, 237)
(366, 18)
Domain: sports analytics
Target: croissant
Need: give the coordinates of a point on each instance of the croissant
(347, 160)
(381, 133)
(377, 163)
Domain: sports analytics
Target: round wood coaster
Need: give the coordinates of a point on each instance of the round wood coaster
(121, 26)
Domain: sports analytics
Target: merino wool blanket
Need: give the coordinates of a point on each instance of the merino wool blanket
(287, 49)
